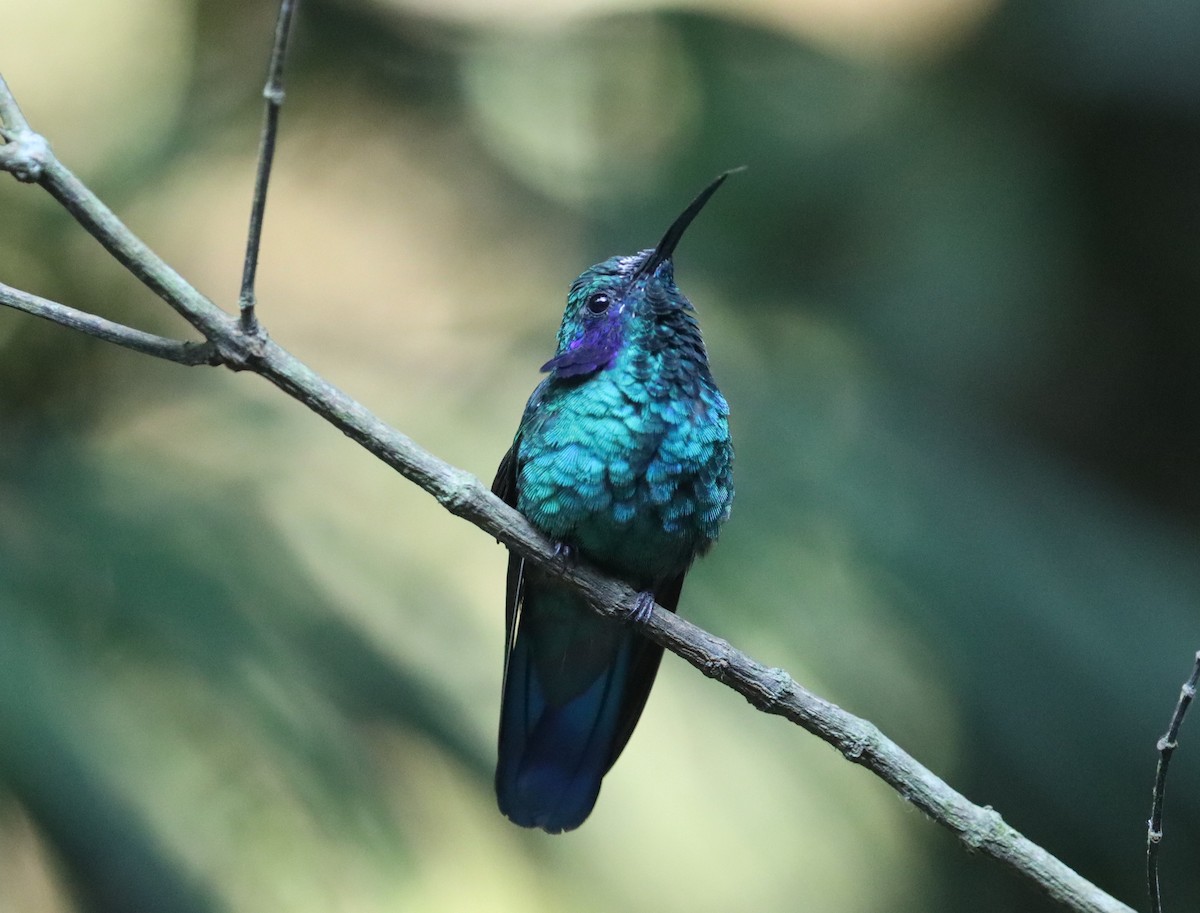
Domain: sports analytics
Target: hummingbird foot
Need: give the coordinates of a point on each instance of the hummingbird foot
(643, 608)
(565, 553)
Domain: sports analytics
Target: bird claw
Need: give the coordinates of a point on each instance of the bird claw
(643, 608)
(564, 553)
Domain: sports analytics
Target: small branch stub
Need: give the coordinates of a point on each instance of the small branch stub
(25, 156)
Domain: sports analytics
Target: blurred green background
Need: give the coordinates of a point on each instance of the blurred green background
(953, 303)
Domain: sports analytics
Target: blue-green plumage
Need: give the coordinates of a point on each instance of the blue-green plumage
(623, 456)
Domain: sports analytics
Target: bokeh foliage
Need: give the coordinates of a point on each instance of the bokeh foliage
(952, 303)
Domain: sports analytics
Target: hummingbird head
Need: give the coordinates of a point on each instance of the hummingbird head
(626, 298)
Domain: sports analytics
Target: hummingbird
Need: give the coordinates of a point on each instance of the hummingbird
(622, 458)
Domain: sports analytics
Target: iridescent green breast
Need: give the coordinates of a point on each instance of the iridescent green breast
(635, 474)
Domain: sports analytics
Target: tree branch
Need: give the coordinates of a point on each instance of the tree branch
(769, 689)
(184, 353)
(1166, 747)
(29, 158)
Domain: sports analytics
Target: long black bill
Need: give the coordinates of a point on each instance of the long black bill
(666, 246)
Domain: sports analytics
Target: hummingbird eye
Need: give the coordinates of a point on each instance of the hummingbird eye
(598, 302)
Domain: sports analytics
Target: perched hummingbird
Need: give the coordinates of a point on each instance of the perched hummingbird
(622, 457)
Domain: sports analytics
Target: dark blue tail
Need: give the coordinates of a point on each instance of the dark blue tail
(553, 755)
(574, 687)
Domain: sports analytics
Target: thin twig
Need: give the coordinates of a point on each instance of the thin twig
(23, 153)
(10, 112)
(183, 353)
(274, 95)
(1166, 748)
(770, 690)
